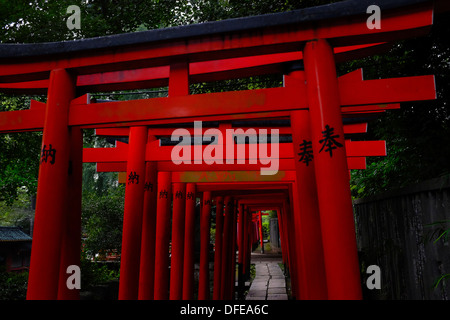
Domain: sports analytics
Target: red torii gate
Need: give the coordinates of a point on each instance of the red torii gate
(323, 245)
(110, 156)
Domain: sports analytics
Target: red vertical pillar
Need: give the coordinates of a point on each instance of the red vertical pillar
(246, 242)
(251, 239)
(241, 248)
(226, 247)
(232, 254)
(293, 247)
(261, 234)
(178, 86)
(132, 216)
(71, 242)
(203, 286)
(284, 252)
(307, 219)
(299, 258)
(280, 216)
(189, 237)
(52, 191)
(176, 265)
(240, 236)
(218, 248)
(163, 216)
(286, 213)
(285, 238)
(147, 266)
(327, 134)
(179, 78)
(252, 233)
(257, 231)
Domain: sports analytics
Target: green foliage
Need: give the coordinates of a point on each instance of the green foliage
(251, 83)
(13, 286)
(45, 21)
(440, 232)
(266, 230)
(94, 273)
(97, 183)
(19, 156)
(19, 213)
(196, 11)
(441, 279)
(252, 271)
(102, 219)
(417, 136)
(272, 214)
(19, 164)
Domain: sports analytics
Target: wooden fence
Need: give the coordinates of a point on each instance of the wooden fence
(397, 232)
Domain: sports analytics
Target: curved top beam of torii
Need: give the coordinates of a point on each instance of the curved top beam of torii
(302, 17)
(343, 24)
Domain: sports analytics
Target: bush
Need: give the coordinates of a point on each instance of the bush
(102, 220)
(13, 286)
(96, 273)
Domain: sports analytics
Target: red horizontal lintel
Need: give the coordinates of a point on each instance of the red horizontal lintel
(397, 24)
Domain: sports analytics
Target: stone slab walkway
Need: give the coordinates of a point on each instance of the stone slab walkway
(269, 282)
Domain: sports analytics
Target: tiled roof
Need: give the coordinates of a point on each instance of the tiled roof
(13, 234)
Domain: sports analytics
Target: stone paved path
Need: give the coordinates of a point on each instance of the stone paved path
(269, 282)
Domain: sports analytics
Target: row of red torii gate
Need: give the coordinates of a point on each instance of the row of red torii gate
(318, 114)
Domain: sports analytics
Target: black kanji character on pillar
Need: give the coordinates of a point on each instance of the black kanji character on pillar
(207, 201)
(132, 177)
(190, 195)
(163, 194)
(148, 186)
(50, 152)
(329, 140)
(306, 153)
(179, 194)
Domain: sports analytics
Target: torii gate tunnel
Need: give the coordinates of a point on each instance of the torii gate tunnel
(317, 112)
